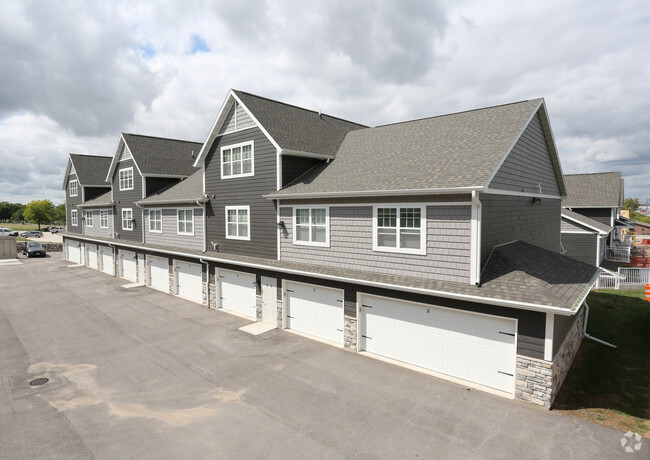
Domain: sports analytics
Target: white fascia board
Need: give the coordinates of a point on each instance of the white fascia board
(111, 169)
(166, 176)
(512, 146)
(185, 201)
(300, 153)
(495, 191)
(259, 125)
(352, 194)
(67, 173)
(555, 155)
(432, 292)
(587, 207)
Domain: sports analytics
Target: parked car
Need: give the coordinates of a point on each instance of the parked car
(32, 234)
(5, 231)
(34, 248)
(56, 229)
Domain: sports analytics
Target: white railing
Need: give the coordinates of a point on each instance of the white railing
(625, 242)
(626, 276)
(617, 254)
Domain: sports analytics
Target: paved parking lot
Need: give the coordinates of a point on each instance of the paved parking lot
(136, 373)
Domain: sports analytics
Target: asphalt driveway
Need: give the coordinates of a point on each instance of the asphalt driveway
(136, 373)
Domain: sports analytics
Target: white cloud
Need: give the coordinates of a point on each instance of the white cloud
(76, 74)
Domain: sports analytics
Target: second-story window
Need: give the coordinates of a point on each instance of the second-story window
(89, 218)
(127, 219)
(73, 217)
(237, 160)
(400, 229)
(237, 223)
(74, 190)
(103, 218)
(311, 226)
(126, 179)
(155, 220)
(186, 222)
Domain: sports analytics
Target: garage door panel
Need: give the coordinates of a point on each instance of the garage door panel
(238, 292)
(158, 273)
(461, 344)
(74, 251)
(129, 265)
(92, 256)
(315, 310)
(107, 260)
(189, 281)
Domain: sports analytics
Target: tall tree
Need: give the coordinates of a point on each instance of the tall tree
(631, 203)
(59, 213)
(39, 212)
(17, 215)
(5, 211)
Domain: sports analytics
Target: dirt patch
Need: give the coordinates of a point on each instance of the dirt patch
(610, 419)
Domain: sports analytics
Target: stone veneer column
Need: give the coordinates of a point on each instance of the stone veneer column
(212, 296)
(350, 333)
(539, 381)
(258, 307)
(279, 305)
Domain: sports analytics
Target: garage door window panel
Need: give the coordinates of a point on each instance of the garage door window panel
(400, 229)
(311, 226)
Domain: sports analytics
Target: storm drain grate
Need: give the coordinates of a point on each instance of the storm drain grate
(39, 381)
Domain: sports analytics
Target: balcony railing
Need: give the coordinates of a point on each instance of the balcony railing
(618, 254)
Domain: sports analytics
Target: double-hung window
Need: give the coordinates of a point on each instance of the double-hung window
(89, 218)
(127, 219)
(237, 160)
(400, 229)
(74, 190)
(155, 220)
(73, 217)
(186, 222)
(126, 179)
(237, 222)
(103, 218)
(311, 226)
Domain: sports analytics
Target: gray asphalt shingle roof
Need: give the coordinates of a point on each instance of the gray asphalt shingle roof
(448, 151)
(91, 169)
(587, 221)
(188, 190)
(295, 128)
(594, 189)
(157, 155)
(102, 200)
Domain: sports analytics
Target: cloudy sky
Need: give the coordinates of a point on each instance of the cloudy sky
(74, 74)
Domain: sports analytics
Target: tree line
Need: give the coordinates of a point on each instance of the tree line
(36, 212)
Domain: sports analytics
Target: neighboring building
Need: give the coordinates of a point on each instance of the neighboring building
(592, 225)
(433, 242)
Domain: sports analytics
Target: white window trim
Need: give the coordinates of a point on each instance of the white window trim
(130, 221)
(161, 220)
(119, 176)
(327, 227)
(248, 210)
(76, 187)
(74, 218)
(89, 222)
(100, 218)
(177, 221)
(423, 229)
(226, 147)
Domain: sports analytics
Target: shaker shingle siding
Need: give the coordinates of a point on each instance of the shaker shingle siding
(351, 244)
(528, 165)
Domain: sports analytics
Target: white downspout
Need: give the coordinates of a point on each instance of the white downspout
(205, 236)
(587, 336)
(475, 244)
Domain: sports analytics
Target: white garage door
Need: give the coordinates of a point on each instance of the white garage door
(107, 259)
(315, 310)
(74, 252)
(158, 273)
(92, 255)
(237, 291)
(129, 265)
(474, 347)
(189, 282)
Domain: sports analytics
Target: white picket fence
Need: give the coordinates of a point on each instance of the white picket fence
(625, 276)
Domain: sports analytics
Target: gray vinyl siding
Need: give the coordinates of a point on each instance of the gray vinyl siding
(581, 246)
(506, 218)
(561, 326)
(71, 203)
(96, 229)
(236, 119)
(243, 191)
(603, 215)
(528, 164)
(169, 235)
(351, 244)
(294, 167)
(126, 199)
(569, 226)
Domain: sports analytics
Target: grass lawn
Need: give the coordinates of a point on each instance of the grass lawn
(611, 386)
(22, 227)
